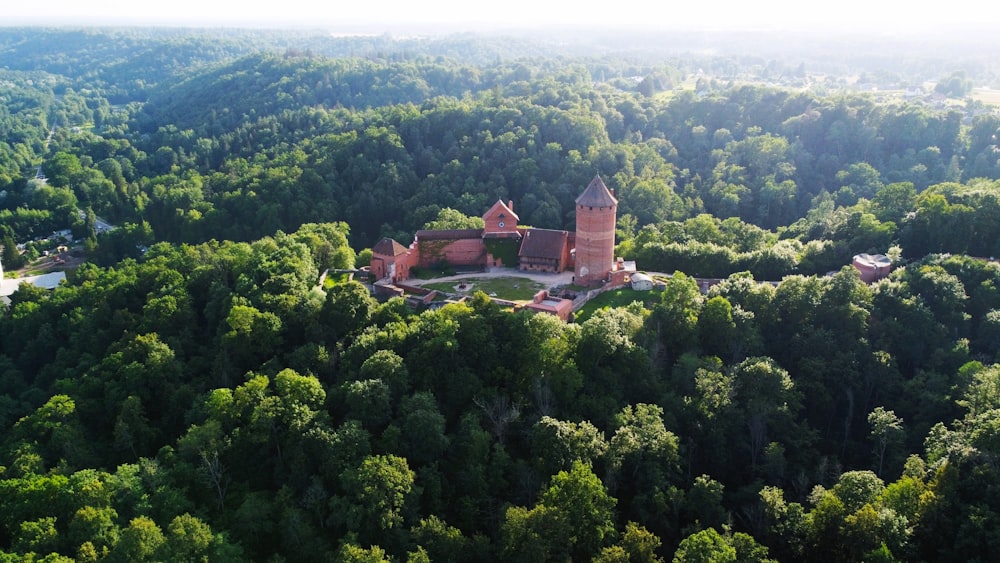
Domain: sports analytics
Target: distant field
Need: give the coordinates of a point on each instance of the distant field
(511, 289)
(987, 96)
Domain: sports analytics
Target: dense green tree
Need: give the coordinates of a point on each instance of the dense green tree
(378, 490)
(141, 540)
(557, 444)
(706, 545)
(887, 430)
(449, 218)
(573, 518)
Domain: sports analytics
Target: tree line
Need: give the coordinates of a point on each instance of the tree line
(209, 400)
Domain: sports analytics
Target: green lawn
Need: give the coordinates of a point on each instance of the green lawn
(511, 289)
(617, 298)
(334, 279)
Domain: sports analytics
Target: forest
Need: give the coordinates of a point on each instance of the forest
(192, 393)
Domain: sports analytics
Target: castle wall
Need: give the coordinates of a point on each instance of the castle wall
(380, 265)
(457, 252)
(404, 262)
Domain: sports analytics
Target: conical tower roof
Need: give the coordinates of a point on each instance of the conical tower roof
(597, 195)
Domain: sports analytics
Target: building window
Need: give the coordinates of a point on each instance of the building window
(501, 224)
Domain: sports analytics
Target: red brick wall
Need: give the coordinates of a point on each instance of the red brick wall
(379, 265)
(404, 262)
(461, 252)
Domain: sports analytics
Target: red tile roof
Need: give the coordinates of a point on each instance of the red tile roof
(503, 209)
(388, 247)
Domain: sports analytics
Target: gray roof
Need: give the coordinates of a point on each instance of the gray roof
(543, 243)
(448, 234)
(597, 195)
(45, 281)
(873, 260)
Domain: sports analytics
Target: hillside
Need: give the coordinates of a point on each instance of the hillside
(192, 392)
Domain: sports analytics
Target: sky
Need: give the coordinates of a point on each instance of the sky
(865, 15)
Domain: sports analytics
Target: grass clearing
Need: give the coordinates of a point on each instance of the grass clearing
(511, 289)
(335, 279)
(621, 297)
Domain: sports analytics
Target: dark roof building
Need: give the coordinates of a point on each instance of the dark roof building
(544, 249)
(388, 247)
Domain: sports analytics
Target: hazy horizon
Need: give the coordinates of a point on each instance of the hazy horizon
(450, 16)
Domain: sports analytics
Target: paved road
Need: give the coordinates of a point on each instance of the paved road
(102, 226)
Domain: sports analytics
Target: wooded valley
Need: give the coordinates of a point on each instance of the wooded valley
(191, 392)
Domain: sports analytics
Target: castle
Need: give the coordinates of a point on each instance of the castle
(589, 251)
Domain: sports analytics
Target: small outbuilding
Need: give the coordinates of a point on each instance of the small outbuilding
(641, 282)
(545, 303)
(873, 267)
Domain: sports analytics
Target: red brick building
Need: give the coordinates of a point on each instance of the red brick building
(544, 303)
(503, 243)
(390, 260)
(544, 250)
(596, 215)
(500, 219)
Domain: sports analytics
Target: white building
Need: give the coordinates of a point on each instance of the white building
(641, 282)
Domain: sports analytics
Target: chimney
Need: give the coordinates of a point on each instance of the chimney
(510, 204)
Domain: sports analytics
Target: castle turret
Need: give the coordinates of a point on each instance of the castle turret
(596, 215)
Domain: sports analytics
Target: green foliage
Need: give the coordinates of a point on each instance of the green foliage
(449, 218)
(379, 488)
(251, 415)
(703, 547)
(504, 250)
(573, 518)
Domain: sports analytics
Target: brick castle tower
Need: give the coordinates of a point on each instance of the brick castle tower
(596, 215)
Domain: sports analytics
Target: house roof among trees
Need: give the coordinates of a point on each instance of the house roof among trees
(543, 243)
(44, 281)
(388, 247)
(597, 195)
